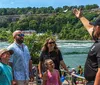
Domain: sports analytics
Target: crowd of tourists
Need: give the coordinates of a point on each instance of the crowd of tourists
(16, 63)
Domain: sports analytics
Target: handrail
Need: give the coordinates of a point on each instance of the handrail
(78, 76)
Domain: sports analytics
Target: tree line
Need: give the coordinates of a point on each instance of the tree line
(64, 24)
(43, 10)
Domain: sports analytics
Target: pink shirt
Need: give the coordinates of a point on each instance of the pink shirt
(52, 78)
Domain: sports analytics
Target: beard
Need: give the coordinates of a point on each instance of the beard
(20, 41)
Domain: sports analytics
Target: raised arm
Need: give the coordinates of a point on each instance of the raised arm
(85, 22)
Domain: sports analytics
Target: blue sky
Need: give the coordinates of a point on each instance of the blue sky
(45, 3)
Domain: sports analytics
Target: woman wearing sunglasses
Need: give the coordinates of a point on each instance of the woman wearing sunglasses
(51, 51)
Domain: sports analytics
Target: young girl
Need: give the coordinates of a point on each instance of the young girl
(51, 76)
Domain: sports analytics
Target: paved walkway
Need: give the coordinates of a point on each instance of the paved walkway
(64, 83)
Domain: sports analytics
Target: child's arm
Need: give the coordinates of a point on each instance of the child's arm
(59, 82)
(44, 78)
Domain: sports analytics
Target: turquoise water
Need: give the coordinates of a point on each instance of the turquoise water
(3, 44)
(74, 51)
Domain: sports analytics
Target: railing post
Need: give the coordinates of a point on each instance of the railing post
(36, 76)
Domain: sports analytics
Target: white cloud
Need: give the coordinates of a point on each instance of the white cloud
(12, 2)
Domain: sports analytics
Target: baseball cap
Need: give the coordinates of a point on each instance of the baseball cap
(97, 22)
(6, 50)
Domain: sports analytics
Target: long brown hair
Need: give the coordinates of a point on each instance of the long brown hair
(96, 32)
(45, 47)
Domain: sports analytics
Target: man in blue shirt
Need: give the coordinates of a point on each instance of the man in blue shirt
(5, 70)
(20, 61)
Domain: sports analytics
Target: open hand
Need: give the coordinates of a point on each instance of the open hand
(78, 13)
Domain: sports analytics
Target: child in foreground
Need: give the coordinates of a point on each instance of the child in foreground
(51, 76)
(5, 69)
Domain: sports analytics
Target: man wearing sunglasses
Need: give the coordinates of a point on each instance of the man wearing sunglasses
(20, 61)
(92, 65)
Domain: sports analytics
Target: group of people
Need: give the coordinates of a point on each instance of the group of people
(16, 63)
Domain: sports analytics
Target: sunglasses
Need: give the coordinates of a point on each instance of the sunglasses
(20, 35)
(51, 42)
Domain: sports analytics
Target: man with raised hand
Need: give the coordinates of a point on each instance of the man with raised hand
(92, 65)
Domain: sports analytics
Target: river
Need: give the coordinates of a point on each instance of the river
(74, 51)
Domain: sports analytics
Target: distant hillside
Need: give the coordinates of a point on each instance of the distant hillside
(47, 19)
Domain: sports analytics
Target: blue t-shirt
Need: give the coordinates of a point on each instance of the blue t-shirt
(5, 74)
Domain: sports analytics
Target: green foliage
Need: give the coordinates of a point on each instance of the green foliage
(4, 35)
(42, 10)
(45, 19)
(91, 6)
